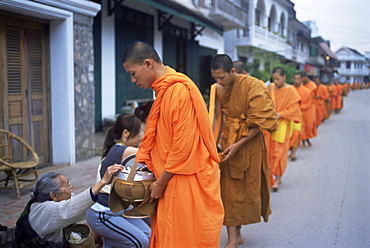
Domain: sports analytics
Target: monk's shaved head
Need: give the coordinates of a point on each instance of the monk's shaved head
(138, 51)
(239, 67)
(222, 62)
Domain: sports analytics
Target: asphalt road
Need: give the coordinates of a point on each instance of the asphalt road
(324, 198)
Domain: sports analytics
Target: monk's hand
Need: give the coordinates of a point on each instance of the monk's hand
(229, 152)
(156, 190)
(109, 173)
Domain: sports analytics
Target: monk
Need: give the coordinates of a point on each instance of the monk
(245, 108)
(346, 89)
(328, 101)
(306, 109)
(339, 104)
(322, 94)
(334, 97)
(311, 125)
(241, 68)
(179, 147)
(288, 109)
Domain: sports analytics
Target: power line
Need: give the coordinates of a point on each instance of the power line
(340, 26)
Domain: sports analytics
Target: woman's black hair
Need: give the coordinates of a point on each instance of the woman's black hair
(124, 121)
(142, 111)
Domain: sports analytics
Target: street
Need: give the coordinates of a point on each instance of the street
(324, 198)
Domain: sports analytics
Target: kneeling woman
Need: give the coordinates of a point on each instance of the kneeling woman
(120, 141)
(52, 209)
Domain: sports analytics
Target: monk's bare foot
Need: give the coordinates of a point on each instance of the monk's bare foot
(309, 143)
(274, 188)
(232, 245)
(240, 241)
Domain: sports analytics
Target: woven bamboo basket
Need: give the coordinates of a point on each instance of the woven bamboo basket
(84, 231)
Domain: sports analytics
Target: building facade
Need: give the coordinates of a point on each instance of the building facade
(353, 66)
(47, 81)
(62, 76)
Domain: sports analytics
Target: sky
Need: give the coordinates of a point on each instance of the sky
(342, 22)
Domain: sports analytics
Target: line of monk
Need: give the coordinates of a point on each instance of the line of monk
(316, 102)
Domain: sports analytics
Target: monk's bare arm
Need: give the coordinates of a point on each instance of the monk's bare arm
(218, 112)
(158, 187)
(231, 150)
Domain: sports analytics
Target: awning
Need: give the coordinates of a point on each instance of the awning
(327, 50)
(181, 11)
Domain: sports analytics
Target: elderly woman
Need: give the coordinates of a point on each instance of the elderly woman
(52, 209)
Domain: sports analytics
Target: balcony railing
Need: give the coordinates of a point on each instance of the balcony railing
(230, 13)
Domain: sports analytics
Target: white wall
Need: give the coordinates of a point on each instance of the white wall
(212, 40)
(108, 63)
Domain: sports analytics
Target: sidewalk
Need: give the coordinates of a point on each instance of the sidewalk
(82, 175)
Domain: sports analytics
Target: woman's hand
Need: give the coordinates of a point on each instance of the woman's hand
(106, 178)
(109, 173)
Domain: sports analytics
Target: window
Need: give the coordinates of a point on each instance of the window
(348, 64)
(272, 20)
(282, 25)
(259, 13)
(258, 17)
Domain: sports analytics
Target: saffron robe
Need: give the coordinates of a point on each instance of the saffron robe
(312, 124)
(328, 101)
(339, 96)
(295, 134)
(334, 97)
(245, 177)
(178, 138)
(308, 112)
(321, 112)
(287, 105)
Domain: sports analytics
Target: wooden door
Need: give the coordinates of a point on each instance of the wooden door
(23, 82)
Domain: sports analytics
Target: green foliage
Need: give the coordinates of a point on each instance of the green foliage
(265, 74)
(270, 60)
(261, 74)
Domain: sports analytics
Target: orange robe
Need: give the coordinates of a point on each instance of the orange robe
(334, 97)
(321, 112)
(339, 104)
(308, 113)
(245, 177)
(178, 138)
(307, 110)
(312, 87)
(287, 105)
(328, 101)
